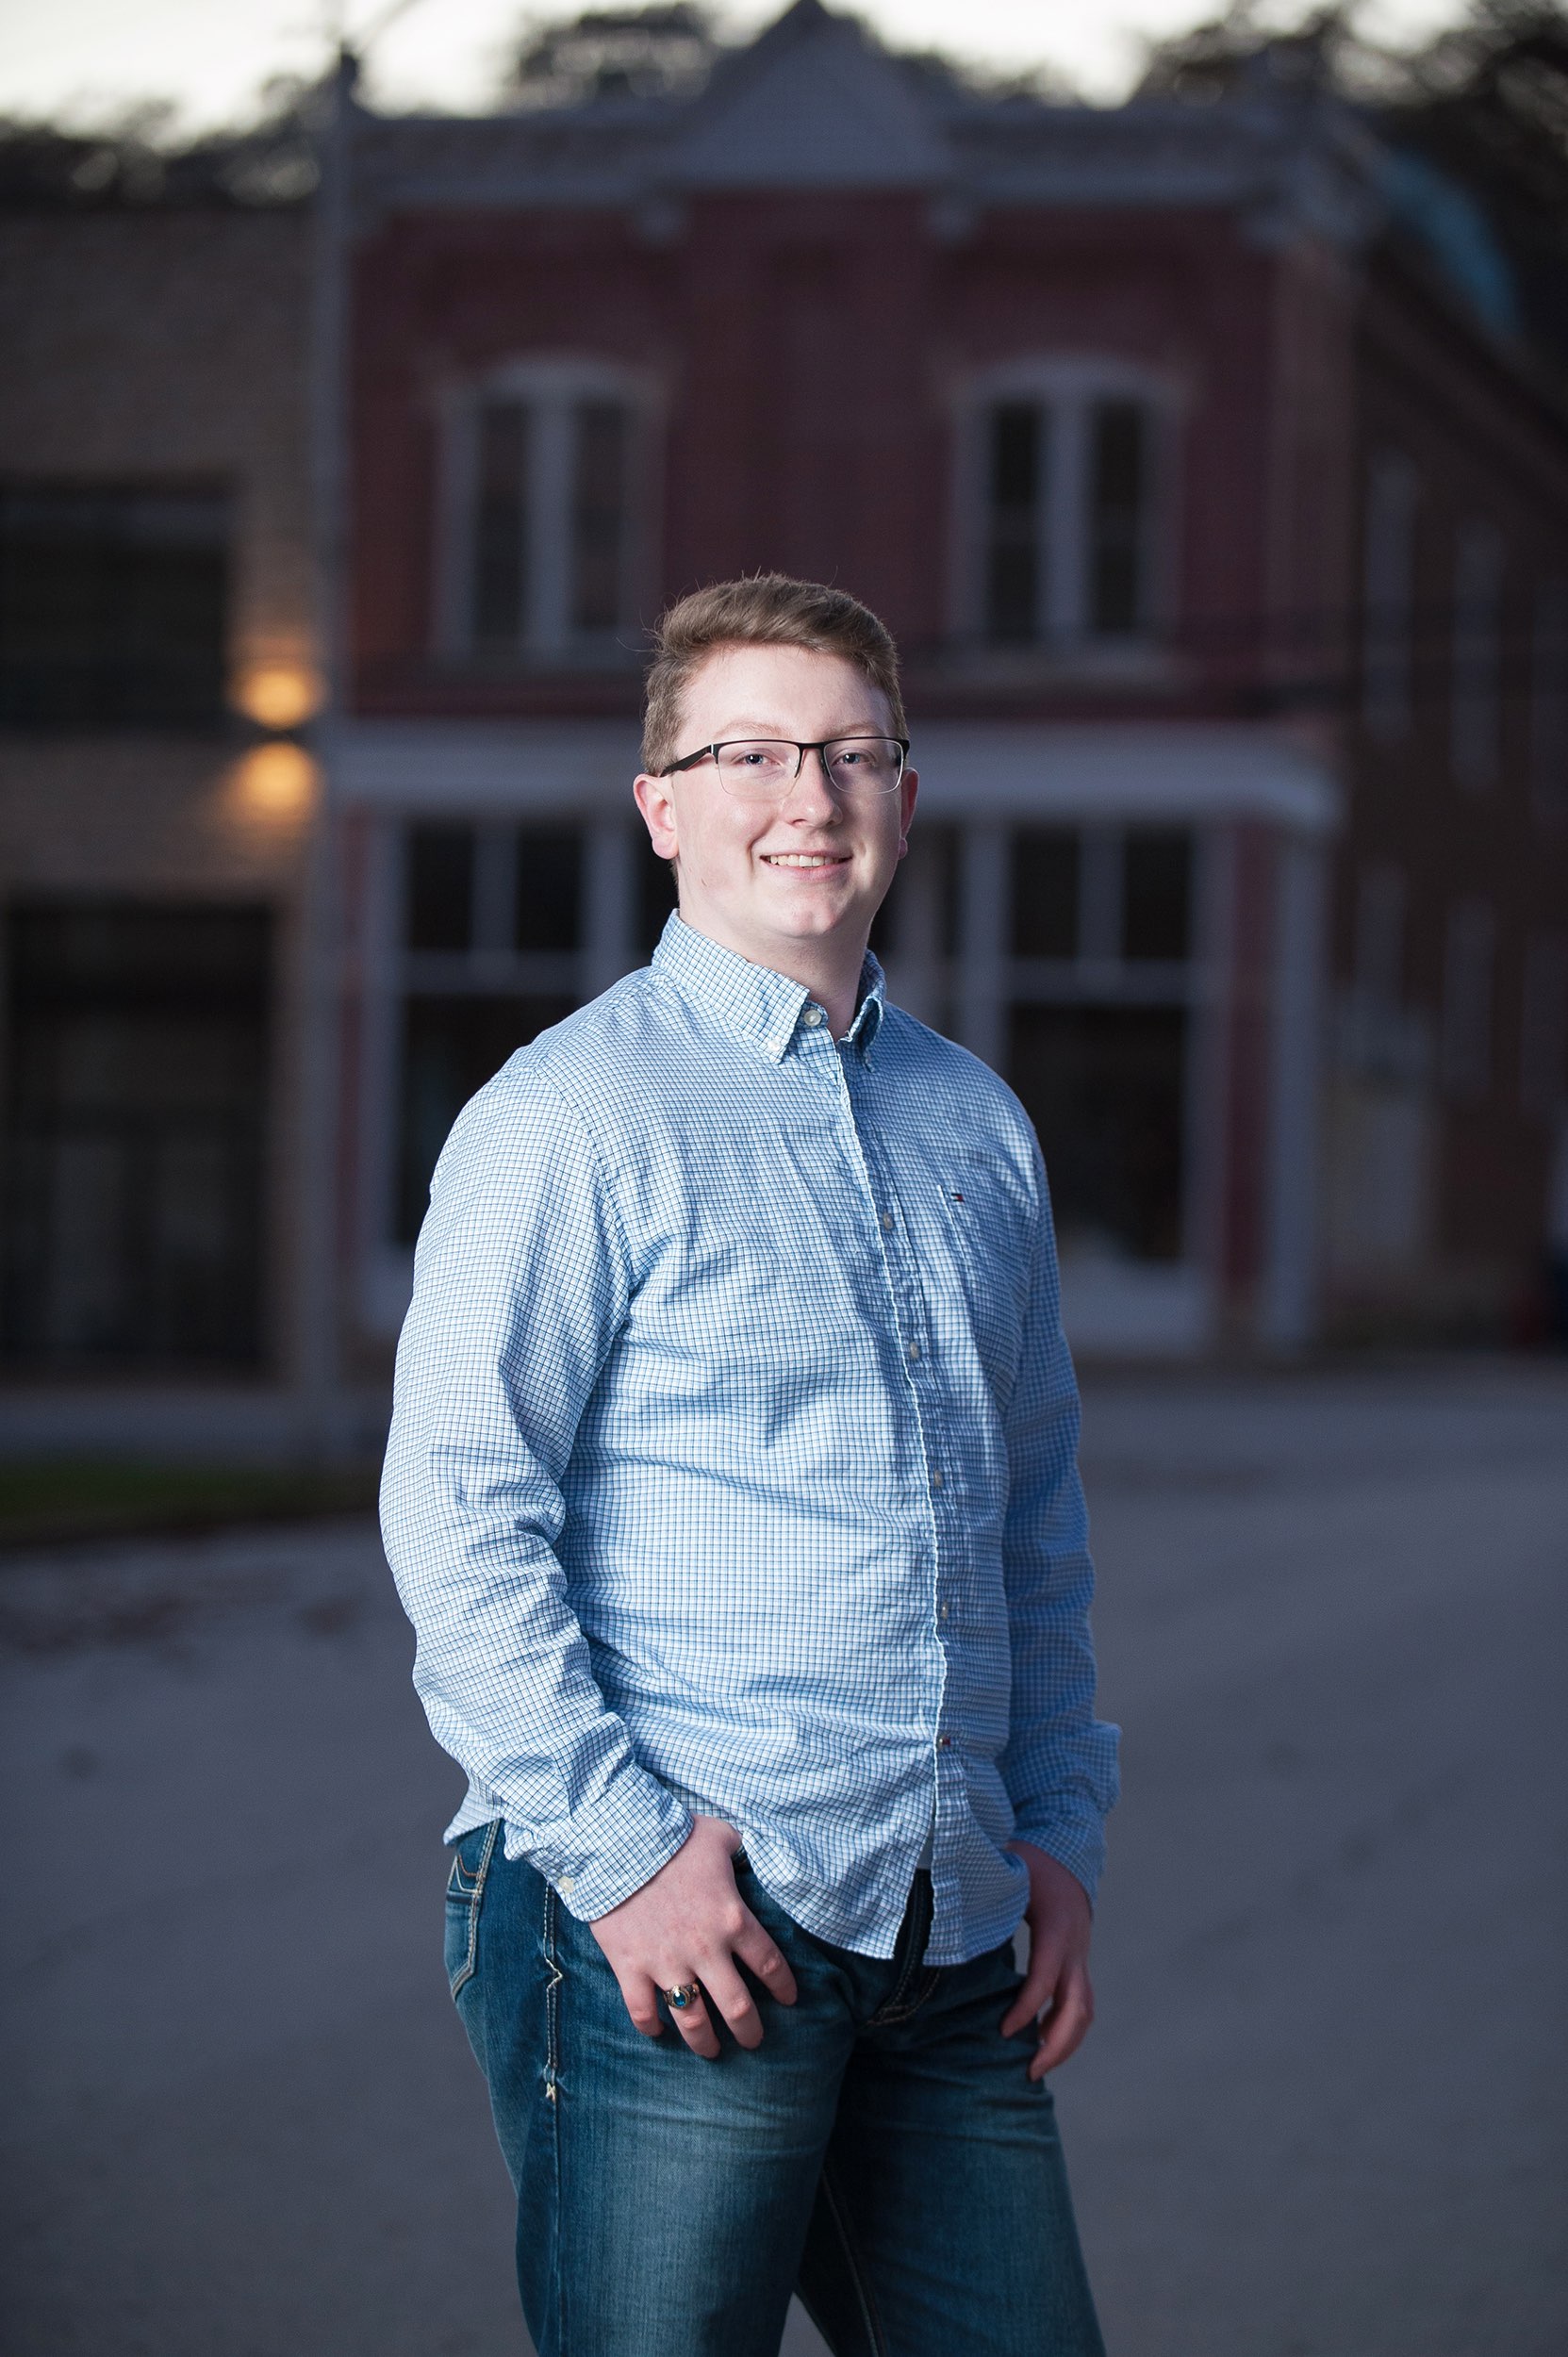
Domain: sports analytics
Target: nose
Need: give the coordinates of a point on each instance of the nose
(812, 793)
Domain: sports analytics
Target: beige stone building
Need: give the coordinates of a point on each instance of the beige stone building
(158, 668)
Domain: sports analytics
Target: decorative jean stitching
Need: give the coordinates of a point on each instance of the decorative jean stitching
(472, 1900)
(892, 2007)
(893, 2012)
(551, 2095)
(551, 2002)
(874, 2338)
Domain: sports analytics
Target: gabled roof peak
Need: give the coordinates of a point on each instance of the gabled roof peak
(813, 102)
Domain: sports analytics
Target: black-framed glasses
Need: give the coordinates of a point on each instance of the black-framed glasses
(765, 769)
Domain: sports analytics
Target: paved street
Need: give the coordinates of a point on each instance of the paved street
(1322, 2114)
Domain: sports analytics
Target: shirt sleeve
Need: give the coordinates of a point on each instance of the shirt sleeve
(521, 1280)
(1060, 1763)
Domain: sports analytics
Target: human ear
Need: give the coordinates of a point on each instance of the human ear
(656, 802)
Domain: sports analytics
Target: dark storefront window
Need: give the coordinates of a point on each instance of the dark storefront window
(132, 1162)
(439, 888)
(493, 930)
(1045, 892)
(1104, 1088)
(548, 911)
(1097, 1025)
(112, 606)
(451, 1045)
(1157, 893)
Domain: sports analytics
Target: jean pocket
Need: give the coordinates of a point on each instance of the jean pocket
(465, 1896)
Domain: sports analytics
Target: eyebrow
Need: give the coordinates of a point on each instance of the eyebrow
(772, 729)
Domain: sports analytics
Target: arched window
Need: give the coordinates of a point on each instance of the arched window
(546, 512)
(1063, 491)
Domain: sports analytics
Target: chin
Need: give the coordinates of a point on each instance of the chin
(811, 923)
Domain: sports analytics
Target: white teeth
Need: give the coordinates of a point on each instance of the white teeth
(799, 859)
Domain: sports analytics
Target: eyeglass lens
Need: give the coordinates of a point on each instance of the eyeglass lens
(761, 768)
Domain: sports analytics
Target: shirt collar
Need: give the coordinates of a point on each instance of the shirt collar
(752, 1001)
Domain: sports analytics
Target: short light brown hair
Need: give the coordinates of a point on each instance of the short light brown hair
(764, 610)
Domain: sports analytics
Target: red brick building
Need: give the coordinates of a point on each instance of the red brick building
(1251, 877)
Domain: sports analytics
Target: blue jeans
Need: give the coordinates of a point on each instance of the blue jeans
(882, 2152)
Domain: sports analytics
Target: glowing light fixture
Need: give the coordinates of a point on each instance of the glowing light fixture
(279, 694)
(276, 782)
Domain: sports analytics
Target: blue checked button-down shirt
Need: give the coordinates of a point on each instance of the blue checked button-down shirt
(733, 1464)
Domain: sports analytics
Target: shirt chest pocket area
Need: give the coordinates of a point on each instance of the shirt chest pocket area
(986, 1228)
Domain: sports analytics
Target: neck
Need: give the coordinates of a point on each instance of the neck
(829, 970)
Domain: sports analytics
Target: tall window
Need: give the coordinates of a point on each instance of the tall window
(1476, 660)
(113, 605)
(1097, 1042)
(1549, 697)
(1544, 1029)
(1388, 582)
(1062, 498)
(132, 1133)
(1467, 1001)
(1380, 938)
(544, 524)
(492, 932)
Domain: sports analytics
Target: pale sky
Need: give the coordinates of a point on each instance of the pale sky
(84, 59)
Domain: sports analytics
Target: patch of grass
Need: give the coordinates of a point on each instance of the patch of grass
(44, 1501)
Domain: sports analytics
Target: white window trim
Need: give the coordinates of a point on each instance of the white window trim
(1067, 385)
(548, 387)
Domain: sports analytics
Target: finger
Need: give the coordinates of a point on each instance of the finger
(641, 1998)
(729, 1993)
(1036, 1990)
(1067, 2026)
(694, 2025)
(759, 1955)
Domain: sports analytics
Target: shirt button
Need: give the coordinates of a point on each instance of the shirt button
(566, 1885)
(937, 1478)
(946, 1609)
(887, 1219)
(814, 1017)
(943, 1742)
(914, 1350)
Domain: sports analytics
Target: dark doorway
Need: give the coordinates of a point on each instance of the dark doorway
(133, 1151)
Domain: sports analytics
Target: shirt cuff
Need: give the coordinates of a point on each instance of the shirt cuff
(603, 1854)
(1075, 1842)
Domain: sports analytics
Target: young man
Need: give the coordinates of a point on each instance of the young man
(732, 1491)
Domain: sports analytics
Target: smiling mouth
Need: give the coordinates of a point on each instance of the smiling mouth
(806, 859)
